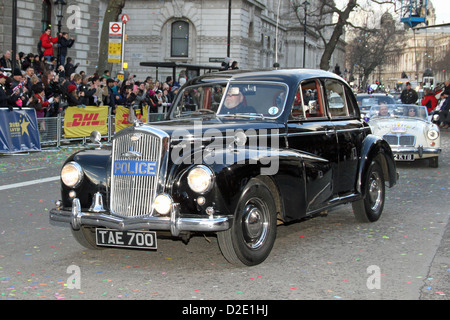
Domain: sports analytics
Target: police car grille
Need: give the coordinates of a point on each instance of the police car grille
(132, 195)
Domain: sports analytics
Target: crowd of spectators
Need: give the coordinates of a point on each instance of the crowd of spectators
(50, 82)
(39, 82)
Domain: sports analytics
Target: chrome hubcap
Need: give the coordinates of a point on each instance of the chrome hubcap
(375, 191)
(255, 223)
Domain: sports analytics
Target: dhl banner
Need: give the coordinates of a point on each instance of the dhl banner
(19, 130)
(122, 117)
(80, 122)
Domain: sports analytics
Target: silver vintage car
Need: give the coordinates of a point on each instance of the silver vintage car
(408, 130)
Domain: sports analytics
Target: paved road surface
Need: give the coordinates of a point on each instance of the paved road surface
(406, 255)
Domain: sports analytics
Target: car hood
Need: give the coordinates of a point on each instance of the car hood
(204, 126)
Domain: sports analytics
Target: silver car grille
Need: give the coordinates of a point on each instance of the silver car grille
(400, 140)
(133, 195)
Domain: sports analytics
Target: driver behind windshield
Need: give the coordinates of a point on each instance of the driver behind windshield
(383, 111)
(235, 103)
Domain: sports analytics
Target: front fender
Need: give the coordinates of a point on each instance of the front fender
(376, 148)
(96, 165)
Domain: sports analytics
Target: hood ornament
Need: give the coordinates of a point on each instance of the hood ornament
(131, 154)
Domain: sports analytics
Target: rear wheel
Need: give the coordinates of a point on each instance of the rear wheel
(369, 208)
(252, 235)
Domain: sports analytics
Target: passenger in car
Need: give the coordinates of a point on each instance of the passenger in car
(412, 112)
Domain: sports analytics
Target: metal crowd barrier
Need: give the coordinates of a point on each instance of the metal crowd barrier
(51, 130)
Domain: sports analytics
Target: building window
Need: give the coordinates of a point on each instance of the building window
(46, 15)
(180, 39)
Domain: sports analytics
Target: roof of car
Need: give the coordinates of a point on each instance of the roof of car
(289, 76)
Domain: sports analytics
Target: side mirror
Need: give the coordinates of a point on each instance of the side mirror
(96, 137)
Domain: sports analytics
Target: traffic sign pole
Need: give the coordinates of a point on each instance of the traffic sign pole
(125, 18)
(115, 42)
(123, 48)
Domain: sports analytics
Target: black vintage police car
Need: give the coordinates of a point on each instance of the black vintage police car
(238, 152)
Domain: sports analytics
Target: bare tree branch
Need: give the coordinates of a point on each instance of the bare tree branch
(320, 22)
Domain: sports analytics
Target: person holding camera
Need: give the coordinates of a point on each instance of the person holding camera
(64, 43)
(70, 68)
(17, 91)
(86, 92)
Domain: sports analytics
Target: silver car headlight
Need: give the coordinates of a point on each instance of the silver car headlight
(200, 179)
(433, 134)
(71, 174)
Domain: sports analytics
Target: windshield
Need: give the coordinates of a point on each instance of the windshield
(399, 110)
(233, 99)
(365, 101)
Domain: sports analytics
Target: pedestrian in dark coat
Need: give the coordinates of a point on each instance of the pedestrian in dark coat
(3, 95)
(409, 95)
(64, 43)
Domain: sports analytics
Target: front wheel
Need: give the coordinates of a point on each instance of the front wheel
(369, 208)
(252, 235)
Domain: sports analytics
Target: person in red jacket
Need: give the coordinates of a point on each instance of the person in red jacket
(429, 100)
(40, 103)
(47, 43)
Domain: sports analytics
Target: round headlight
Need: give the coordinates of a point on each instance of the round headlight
(71, 174)
(433, 134)
(200, 179)
(162, 204)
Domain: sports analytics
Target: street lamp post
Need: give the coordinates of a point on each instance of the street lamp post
(229, 30)
(276, 64)
(60, 4)
(306, 3)
(14, 35)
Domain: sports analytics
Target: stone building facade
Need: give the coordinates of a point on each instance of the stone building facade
(257, 38)
(174, 31)
(421, 48)
(80, 20)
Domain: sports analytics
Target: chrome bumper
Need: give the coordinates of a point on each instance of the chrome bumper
(173, 223)
(421, 151)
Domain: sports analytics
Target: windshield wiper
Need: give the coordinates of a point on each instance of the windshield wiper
(242, 115)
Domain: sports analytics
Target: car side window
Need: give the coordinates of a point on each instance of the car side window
(308, 101)
(297, 111)
(352, 104)
(335, 96)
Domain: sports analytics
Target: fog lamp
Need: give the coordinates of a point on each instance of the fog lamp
(163, 203)
(201, 200)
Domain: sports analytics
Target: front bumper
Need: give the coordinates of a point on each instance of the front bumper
(173, 222)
